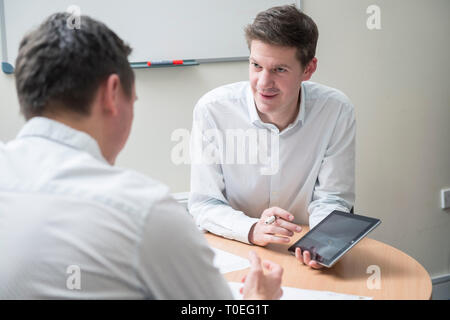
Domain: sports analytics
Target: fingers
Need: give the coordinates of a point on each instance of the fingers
(313, 264)
(280, 213)
(273, 268)
(263, 234)
(275, 274)
(305, 258)
(273, 229)
(283, 220)
(298, 255)
(275, 239)
(287, 225)
(255, 261)
(279, 294)
(259, 285)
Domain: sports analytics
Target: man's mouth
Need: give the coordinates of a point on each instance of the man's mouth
(268, 95)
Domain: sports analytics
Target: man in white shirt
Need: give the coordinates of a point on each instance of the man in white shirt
(71, 224)
(309, 156)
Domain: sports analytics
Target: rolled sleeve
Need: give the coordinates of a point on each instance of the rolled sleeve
(242, 228)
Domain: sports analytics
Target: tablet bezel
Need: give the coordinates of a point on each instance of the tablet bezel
(373, 224)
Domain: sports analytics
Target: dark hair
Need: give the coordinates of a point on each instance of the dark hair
(288, 27)
(59, 66)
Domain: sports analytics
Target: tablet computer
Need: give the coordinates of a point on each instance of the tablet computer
(334, 236)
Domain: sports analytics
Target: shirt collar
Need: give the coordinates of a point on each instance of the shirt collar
(301, 114)
(56, 131)
(256, 120)
(254, 116)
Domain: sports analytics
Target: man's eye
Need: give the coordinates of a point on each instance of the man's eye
(281, 70)
(256, 65)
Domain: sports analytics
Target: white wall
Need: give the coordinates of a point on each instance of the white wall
(398, 79)
(166, 97)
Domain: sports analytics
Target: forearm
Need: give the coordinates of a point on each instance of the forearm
(220, 218)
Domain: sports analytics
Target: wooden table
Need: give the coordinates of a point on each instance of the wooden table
(401, 276)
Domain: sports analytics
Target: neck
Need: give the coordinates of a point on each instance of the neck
(86, 124)
(283, 119)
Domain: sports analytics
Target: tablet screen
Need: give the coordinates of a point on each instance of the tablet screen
(334, 236)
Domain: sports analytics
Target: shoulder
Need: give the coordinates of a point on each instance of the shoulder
(316, 92)
(128, 191)
(138, 190)
(223, 95)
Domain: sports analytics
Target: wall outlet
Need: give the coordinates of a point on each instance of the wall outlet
(445, 198)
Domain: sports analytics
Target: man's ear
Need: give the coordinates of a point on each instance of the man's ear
(111, 88)
(310, 69)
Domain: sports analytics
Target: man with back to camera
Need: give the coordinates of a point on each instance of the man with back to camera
(312, 155)
(67, 212)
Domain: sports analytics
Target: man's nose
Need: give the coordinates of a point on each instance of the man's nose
(265, 80)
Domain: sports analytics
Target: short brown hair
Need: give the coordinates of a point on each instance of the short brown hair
(288, 27)
(63, 67)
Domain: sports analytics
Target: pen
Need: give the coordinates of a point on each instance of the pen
(164, 62)
(270, 220)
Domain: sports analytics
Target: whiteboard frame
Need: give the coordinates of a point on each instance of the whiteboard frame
(7, 68)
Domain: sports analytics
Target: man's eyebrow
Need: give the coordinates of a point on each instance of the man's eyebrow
(282, 65)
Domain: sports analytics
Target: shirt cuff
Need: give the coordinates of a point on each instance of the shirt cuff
(242, 228)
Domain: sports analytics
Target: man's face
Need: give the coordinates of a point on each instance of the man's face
(275, 77)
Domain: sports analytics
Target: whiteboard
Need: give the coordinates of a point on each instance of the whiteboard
(202, 30)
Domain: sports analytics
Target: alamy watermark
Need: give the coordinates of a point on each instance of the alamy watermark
(74, 21)
(226, 147)
(374, 20)
(73, 281)
(374, 281)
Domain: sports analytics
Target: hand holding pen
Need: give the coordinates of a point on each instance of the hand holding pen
(274, 226)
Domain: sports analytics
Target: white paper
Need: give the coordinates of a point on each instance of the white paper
(227, 262)
(290, 293)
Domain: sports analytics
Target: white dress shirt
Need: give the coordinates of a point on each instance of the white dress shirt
(315, 157)
(73, 226)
